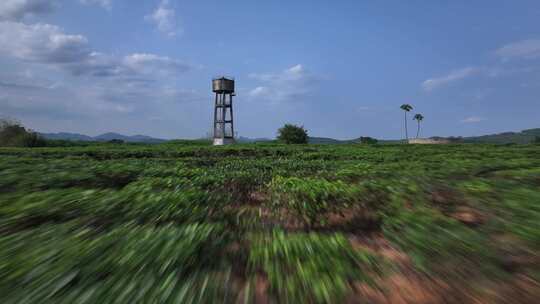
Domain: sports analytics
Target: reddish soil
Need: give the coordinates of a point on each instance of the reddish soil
(468, 216)
(406, 285)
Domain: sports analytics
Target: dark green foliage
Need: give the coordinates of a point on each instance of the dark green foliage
(13, 134)
(310, 268)
(292, 134)
(187, 222)
(368, 140)
(432, 239)
(311, 199)
(128, 264)
(67, 143)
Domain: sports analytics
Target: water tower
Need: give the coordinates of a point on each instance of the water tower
(223, 111)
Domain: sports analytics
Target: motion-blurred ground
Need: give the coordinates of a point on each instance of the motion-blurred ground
(181, 223)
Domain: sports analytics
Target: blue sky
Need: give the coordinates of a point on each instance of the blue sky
(340, 68)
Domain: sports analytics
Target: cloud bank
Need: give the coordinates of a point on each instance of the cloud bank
(106, 4)
(525, 49)
(18, 9)
(437, 82)
(292, 84)
(164, 17)
(473, 119)
(49, 44)
(99, 85)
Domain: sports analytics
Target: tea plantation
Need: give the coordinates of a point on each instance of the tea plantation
(269, 223)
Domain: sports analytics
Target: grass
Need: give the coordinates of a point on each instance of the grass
(187, 222)
(307, 267)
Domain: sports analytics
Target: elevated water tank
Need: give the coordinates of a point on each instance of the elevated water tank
(223, 85)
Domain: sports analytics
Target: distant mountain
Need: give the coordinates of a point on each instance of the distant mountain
(103, 137)
(135, 138)
(67, 136)
(523, 137)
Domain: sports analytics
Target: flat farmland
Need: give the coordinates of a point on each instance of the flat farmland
(268, 223)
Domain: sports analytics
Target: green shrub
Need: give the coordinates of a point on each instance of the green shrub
(311, 199)
(292, 134)
(520, 214)
(310, 268)
(104, 223)
(110, 207)
(436, 242)
(66, 264)
(12, 134)
(368, 140)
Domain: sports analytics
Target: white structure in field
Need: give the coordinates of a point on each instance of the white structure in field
(428, 141)
(223, 111)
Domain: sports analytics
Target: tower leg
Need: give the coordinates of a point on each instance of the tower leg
(232, 118)
(222, 116)
(223, 123)
(215, 117)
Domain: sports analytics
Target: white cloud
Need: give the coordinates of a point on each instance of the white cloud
(437, 82)
(48, 64)
(292, 84)
(473, 119)
(148, 63)
(48, 44)
(164, 18)
(106, 4)
(491, 72)
(526, 49)
(25, 96)
(18, 9)
(293, 73)
(259, 91)
(119, 85)
(41, 42)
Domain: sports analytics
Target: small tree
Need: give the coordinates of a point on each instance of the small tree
(13, 134)
(537, 140)
(368, 140)
(292, 134)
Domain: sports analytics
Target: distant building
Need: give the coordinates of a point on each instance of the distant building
(428, 141)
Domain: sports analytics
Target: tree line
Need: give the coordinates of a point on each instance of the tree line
(13, 134)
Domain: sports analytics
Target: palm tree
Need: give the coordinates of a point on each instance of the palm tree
(406, 107)
(418, 118)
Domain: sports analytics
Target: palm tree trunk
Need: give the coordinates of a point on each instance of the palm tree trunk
(418, 130)
(406, 131)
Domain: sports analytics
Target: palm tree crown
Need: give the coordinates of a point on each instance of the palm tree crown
(406, 107)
